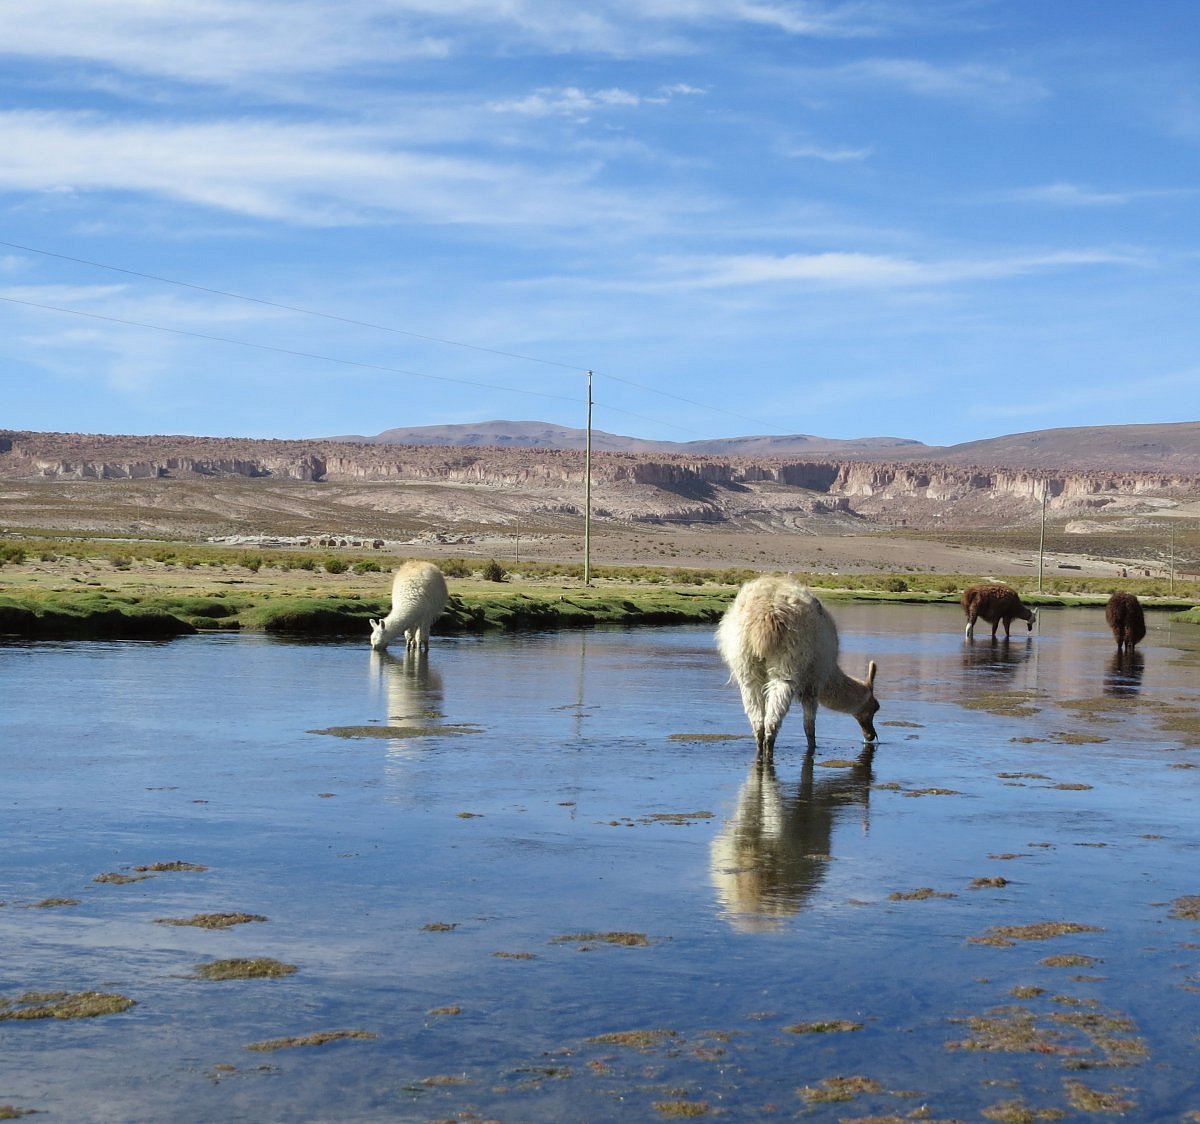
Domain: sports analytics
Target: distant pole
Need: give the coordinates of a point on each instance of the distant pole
(1042, 538)
(517, 540)
(1172, 581)
(587, 490)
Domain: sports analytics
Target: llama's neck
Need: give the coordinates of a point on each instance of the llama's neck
(394, 624)
(844, 693)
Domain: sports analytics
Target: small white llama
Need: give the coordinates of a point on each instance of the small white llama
(419, 595)
(781, 644)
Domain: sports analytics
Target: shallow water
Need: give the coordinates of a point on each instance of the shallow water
(500, 861)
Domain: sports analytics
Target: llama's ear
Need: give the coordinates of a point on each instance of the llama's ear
(871, 669)
(374, 622)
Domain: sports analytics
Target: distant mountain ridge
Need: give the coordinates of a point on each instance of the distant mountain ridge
(1167, 446)
(543, 435)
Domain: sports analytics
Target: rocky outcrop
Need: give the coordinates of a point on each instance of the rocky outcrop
(657, 487)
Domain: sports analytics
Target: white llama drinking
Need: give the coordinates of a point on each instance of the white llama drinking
(419, 596)
(781, 644)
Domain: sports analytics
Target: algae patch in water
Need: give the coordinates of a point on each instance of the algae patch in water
(677, 818)
(634, 1039)
(1004, 936)
(1008, 704)
(1018, 1112)
(262, 967)
(1087, 1099)
(680, 1109)
(428, 731)
(117, 879)
(836, 1089)
(175, 866)
(54, 903)
(920, 894)
(626, 940)
(211, 920)
(706, 737)
(828, 1026)
(64, 1005)
(1186, 908)
(988, 883)
(319, 1038)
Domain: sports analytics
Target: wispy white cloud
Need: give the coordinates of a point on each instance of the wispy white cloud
(573, 102)
(305, 173)
(982, 84)
(1063, 194)
(830, 155)
(876, 271)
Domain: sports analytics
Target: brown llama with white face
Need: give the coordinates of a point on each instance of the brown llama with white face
(1126, 619)
(780, 644)
(996, 604)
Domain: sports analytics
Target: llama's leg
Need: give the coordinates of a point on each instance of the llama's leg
(970, 632)
(809, 703)
(752, 703)
(996, 625)
(779, 695)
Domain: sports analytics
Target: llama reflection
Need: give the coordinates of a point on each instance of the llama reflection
(774, 852)
(1123, 673)
(412, 690)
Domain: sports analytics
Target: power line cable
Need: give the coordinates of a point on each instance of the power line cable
(282, 350)
(324, 358)
(387, 328)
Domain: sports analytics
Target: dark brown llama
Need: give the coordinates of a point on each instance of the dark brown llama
(1126, 619)
(994, 604)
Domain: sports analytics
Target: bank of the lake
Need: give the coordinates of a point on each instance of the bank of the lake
(51, 610)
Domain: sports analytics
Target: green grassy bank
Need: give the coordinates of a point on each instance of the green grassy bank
(112, 614)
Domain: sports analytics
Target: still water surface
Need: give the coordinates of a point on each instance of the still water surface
(543, 879)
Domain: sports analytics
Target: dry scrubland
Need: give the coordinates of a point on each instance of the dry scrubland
(219, 552)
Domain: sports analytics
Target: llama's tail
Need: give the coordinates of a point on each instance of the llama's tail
(765, 627)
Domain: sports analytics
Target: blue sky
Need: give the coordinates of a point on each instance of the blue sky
(936, 219)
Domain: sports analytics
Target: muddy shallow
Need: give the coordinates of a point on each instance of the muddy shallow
(538, 878)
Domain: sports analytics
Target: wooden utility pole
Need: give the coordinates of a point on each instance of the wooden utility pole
(587, 490)
(1042, 538)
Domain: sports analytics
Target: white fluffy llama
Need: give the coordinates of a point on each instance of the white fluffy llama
(419, 595)
(781, 644)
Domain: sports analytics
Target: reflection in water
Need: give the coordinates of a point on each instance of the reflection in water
(1001, 657)
(1123, 673)
(412, 689)
(773, 853)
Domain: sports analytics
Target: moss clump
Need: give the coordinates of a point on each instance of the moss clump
(827, 1026)
(211, 920)
(634, 1039)
(176, 865)
(627, 940)
(320, 1038)
(679, 1109)
(1186, 908)
(65, 1005)
(1005, 935)
(835, 1089)
(244, 969)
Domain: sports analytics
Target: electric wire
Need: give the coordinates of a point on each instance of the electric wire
(578, 369)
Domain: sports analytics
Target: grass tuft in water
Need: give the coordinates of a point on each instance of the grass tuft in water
(262, 967)
(65, 1005)
(320, 1038)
